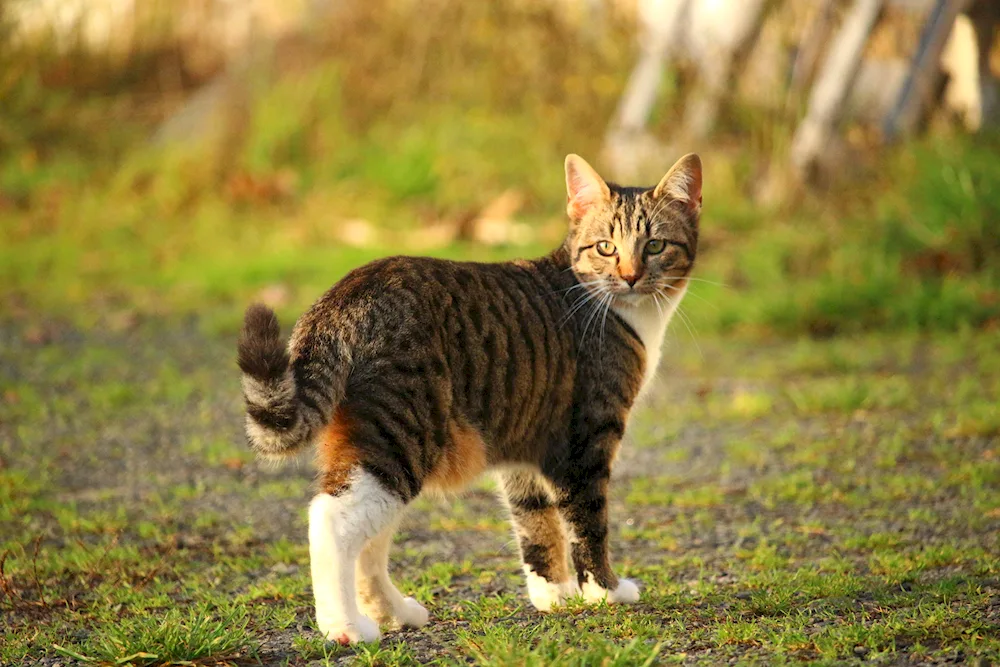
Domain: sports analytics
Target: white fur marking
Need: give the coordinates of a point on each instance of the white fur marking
(626, 592)
(545, 595)
(650, 323)
(338, 529)
(412, 614)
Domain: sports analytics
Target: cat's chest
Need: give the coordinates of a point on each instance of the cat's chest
(650, 323)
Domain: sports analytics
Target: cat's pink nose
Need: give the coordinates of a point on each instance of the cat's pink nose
(631, 278)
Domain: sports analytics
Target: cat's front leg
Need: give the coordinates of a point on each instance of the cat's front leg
(541, 540)
(584, 506)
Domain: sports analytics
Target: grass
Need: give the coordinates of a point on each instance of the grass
(172, 636)
(842, 527)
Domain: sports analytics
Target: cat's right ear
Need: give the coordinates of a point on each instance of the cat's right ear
(683, 183)
(585, 189)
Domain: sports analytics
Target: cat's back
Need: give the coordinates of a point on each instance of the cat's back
(411, 298)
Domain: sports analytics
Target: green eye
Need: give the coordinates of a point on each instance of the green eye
(606, 248)
(655, 246)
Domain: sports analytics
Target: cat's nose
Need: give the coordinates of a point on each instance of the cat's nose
(631, 278)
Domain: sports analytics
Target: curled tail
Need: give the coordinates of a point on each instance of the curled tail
(287, 402)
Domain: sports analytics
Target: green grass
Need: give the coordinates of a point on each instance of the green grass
(169, 636)
(856, 524)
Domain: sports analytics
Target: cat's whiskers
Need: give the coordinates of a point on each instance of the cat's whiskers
(580, 302)
(656, 300)
(605, 297)
(582, 298)
(579, 285)
(662, 205)
(604, 321)
(592, 315)
(596, 291)
(686, 321)
(710, 282)
(605, 307)
(691, 293)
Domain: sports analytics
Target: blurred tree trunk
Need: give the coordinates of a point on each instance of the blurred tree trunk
(627, 144)
(985, 16)
(814, 38)
(662, 24)
(718, 71)
(219, 110)
(829, 95)
(921, 86)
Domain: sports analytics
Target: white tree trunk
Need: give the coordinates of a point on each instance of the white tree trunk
(829, 95)
(719, 63)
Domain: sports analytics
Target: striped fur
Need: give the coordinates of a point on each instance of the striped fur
(416, 373)
(287, 400)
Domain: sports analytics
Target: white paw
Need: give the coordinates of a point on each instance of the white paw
(626, 592)
(362, 629)
(545, 595)
(412, 614)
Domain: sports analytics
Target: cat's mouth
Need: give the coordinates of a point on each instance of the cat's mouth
(638, 291)
(634, 297)
(621, 293)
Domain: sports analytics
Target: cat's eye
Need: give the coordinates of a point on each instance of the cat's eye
(606, 248)
(655, 246)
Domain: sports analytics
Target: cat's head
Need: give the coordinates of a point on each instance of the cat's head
(630, 243)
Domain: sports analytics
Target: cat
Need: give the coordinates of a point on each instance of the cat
(415, 374)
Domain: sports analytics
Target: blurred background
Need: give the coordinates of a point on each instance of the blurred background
(185, 156)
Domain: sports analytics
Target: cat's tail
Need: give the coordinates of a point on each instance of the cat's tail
(283, 413)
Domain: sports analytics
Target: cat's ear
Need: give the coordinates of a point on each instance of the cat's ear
(585, 189)
(683, 183)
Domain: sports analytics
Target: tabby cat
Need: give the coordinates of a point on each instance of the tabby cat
(416, 374)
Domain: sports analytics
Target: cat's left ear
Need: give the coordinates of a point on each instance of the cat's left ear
(585, 189)
(683, 183)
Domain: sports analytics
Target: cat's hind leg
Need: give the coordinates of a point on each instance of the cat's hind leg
(541, 539)
(378, 597)
(339, 526)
